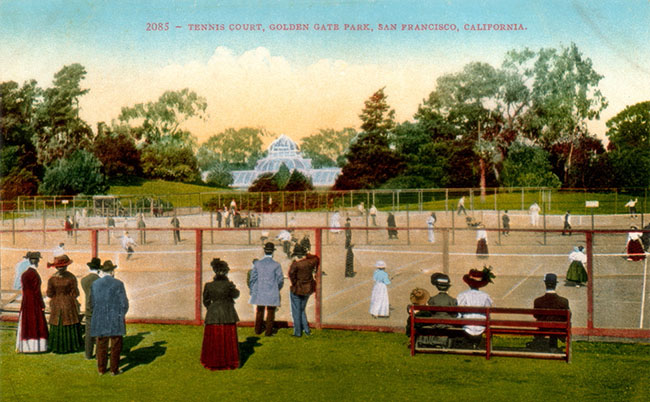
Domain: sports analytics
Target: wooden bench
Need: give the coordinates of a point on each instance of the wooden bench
(497, 321)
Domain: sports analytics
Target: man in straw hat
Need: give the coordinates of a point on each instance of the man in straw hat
(303, 284)
(475, 279)
(109, 305)
(550, 300)
(265, 284)
(87, 281)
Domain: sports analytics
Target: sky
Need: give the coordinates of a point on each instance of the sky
(299, 81)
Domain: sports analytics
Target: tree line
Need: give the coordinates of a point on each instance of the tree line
(521, 124)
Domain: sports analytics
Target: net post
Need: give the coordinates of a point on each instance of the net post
(318, 248)
(93, 243)
(590, 280)
(198, 280)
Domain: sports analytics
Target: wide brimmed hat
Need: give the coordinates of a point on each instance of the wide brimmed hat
(95, 263)
(478, 278)
(33, 254)
(440, 281)
(108, 266)
(299, 251)
(380, 264)
(269, 247)
(219, 266)
(419, 296)
(60, 262)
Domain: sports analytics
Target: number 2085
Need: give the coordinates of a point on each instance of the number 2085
(157, 26)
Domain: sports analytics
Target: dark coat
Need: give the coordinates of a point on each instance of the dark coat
(86, 283)
(219, 298)
(32, 318)
(63, 291)
(301, 275)
(550, 301)
(442, 299)
(110, 305)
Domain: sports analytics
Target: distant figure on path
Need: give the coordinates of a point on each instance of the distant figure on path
(534, 214)
(349, 262)
(67, 225)
(142, 226)
(634, 246)
(505, 219)
(373, 214)
(631, 205)
(431, 221)
(567, 224)
(481, 242)
(461, 206)
(335, 223)
(176, 224)
(390, 221)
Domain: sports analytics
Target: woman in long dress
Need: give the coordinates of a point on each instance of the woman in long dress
(379, 305)
(577, 275)
(65, 327)
(431, 221)
(220, 349)
(335, 223)
(32, 333)
(481, 242)
(634, 246)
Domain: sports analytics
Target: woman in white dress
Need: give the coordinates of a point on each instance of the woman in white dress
(431, 221)
(335, 223)
(379, 305)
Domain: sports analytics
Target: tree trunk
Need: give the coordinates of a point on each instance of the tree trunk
(482, 169)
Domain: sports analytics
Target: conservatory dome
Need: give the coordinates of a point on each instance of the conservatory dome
(283, 150)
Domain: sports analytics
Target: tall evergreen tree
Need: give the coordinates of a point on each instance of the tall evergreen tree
(370, 159)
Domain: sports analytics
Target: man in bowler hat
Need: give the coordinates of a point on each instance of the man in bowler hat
(95, 265)
(550, 300)
(109, 304)
(265, 284)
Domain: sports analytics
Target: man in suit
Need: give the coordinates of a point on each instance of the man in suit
(303, 284)
(109, 304)
(550, 300)
(86, 284)
(265, 284)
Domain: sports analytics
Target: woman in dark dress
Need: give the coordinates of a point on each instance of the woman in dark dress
(65, 327)
(31, 336)
(220, 347)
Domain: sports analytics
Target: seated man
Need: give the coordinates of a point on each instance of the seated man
(442, 299)
(550, 300)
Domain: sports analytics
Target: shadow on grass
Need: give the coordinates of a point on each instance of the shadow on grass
(247, 348)
(141, 356)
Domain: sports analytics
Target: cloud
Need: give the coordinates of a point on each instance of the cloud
(259, 89)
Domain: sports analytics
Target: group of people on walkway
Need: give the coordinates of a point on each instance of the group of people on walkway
(106, 307)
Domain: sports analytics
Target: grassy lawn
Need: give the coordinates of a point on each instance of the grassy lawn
(162, 363)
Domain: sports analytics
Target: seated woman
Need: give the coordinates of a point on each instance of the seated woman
(418, 297)
(475, 279)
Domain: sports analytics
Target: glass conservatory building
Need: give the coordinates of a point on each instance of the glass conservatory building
(284, 151)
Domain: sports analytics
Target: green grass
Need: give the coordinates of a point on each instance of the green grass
(179, 194)
(163, 364)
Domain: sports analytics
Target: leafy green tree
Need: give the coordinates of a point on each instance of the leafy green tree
(81, 173)
(298, 182)
(264, 183)
(170, 160)
(59, 129)
(163, 119)
(562, 93)
(19, 168)
(207, 158)
(281, 177)
(219, 176)
(327, 147)
(528, 166)
(237, 149)
(117, 151)
(629, 145)
(370, 160)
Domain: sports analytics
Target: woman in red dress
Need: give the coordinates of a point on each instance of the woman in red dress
(32, 327)
(220, 350)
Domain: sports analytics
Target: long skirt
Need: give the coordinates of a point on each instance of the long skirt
(482, 248)
(576, 273)
(379, 305)
(35, 345)
(220, 350)
(635, 250)
(65, 338)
